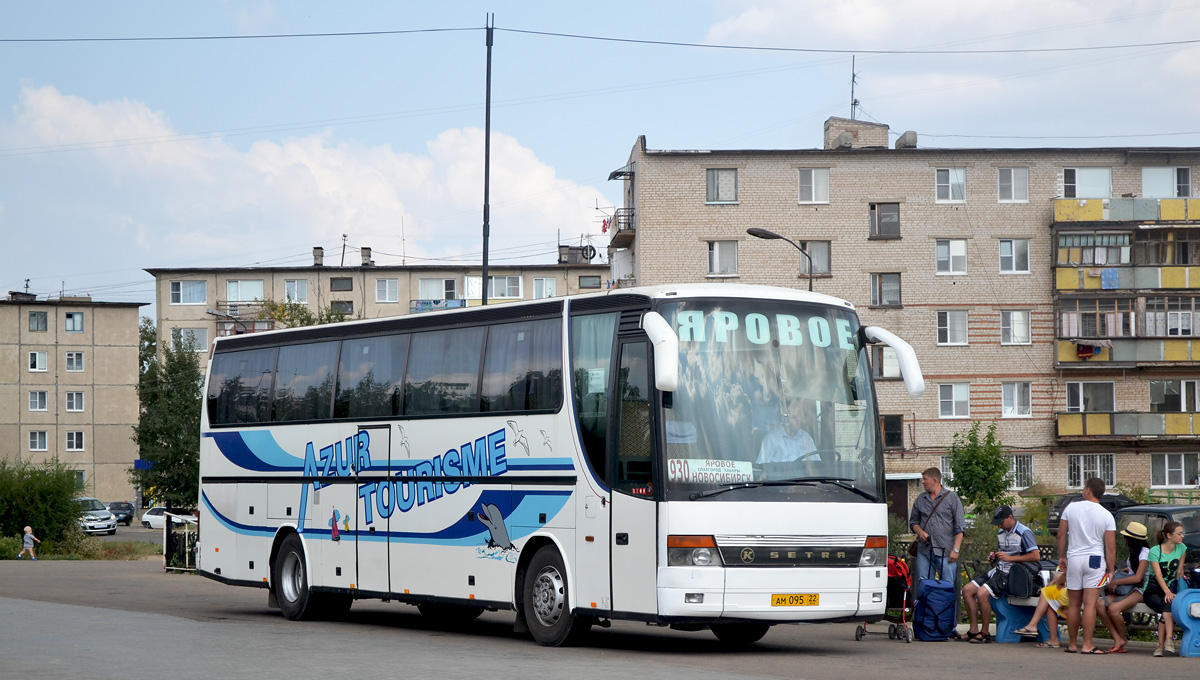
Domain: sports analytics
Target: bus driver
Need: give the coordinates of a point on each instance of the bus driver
(790, 441)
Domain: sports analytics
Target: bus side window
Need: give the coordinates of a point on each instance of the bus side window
(522, 367)
(592, 338)
(371, 376)
(635, 469)
(239, 389)
(304, 381)
(443, 372)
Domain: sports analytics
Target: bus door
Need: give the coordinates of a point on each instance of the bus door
(634, 563)
(376, 502)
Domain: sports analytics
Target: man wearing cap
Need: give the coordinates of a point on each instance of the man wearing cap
(1016, 544)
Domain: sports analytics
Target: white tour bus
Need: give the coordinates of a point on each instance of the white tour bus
(699, 456)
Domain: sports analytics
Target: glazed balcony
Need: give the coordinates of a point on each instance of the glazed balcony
(1126, 425)
(1110, 353)
(421, 306)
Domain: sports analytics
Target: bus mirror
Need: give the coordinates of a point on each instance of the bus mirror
(905, 356)
(666, 351)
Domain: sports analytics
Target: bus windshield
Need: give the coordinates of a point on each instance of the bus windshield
(774, 400)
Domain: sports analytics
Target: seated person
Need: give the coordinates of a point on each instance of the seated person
(790, 441)
(1016, 544)
(1131, 578)
(1052, 603)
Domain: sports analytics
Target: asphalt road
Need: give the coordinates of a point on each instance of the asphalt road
(133, 532)
(130, 619)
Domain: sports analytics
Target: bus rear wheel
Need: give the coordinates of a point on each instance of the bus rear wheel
(547, 603)
(740, 634)
(296, 600)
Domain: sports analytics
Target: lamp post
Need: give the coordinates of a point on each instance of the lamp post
(770, 235)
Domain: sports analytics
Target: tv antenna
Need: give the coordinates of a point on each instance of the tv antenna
(853, 80)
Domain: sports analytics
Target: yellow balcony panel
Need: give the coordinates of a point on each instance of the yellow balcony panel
(1193, 208)
(1098, 424)
(1078, 209)
(1172, 209)
(1091, 278)
(1066, 351)
(1178, 423)
(1174, 277)
(1070, 424)
(1176, 350)
(1067, 278)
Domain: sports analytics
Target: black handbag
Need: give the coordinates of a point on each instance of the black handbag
(1024, 580)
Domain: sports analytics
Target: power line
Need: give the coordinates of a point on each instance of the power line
(173, 38)
(1148, 134)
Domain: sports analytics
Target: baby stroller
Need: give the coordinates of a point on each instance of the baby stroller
(899, 606)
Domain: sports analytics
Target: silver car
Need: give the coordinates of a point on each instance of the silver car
(95, 518)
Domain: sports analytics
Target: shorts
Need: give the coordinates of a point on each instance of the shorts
(995, 581)
(1056, 597)
(1155, 599)
(1084, 571)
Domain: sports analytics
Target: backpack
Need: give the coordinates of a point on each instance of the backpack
(1024, 580)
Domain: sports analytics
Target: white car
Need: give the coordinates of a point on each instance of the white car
(95, 518)
(154, 518)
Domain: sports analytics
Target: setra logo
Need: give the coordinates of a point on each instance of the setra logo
(747, 555)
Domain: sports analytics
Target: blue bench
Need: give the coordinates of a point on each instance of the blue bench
(1010, 616)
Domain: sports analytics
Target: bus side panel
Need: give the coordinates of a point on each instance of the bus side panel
(217, 548)
(248, 546)
(333, 563)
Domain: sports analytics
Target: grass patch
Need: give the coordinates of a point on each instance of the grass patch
(127, 550)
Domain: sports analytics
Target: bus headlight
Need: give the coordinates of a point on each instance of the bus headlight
(692, 557)
(874, 552)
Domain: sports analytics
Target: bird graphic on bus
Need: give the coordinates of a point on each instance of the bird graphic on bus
(519, 436)
(403, 441)
(546, 441)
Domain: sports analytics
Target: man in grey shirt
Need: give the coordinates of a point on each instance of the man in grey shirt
(939, 530)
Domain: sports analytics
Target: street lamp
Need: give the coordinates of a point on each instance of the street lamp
(770, 235)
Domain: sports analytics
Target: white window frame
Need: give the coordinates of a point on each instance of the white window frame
(1083, 466)
(821, 256)
(75, 402)
(37, 361)
(955, 261)
(296, 290)
(877, 289)
(38, 400)
(178, 288)
(1187, 391)
(1017, 185)
(1173, 465)
(949, 324)
(951, 396)
(73, 322)
(715, 180)
(946, 181)
(1020, 468)
(719, 255)
(234, 293)
(387, 291)
(39, 440)
(1075, 391)
(200, 335)
(75, 441)
(544, 288)
(1179, 182)
(1072, 183)
(1013, 257)
(816, 189)
(494, 283)
(74, 362)
(1014, 321)
(1016, 400)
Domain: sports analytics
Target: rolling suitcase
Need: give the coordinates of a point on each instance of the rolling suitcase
(933, 616)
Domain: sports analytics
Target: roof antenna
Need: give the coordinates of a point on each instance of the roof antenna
(26, 285)
(343, 250)
(853, 80)
(403, 253)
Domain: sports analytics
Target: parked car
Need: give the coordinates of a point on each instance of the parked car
(123, 511)
(94, 518)
(1155, 516)
(154, 518)
(1111, 502)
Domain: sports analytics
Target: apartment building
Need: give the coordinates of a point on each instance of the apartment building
(203, 303)
(1049, 290)
(68, 387)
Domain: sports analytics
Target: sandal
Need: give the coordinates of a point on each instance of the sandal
(1049, 645)
(1094, 650)
(1025, 632)
(980, 638)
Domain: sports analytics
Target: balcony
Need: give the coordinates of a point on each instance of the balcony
(239, 310)
(1126, 209)
(1109, 353)
(421, 306)
(1127, 425)
(240, 327)
(623, 227)
(1124, 277)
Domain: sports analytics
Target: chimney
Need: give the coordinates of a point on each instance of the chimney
(844, 133)
(908, 140)
(366, 257)
(318, 256)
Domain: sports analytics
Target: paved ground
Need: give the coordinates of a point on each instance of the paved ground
(129, 619)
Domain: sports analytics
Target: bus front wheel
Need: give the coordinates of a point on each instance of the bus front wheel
(740, 634)
(291, 581)
(547, 605)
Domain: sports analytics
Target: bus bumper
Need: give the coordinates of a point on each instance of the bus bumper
(749, 593)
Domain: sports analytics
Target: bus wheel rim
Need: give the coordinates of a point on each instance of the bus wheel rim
(293, 577)
(549, 596)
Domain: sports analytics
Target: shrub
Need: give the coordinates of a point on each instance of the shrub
(75, 543)
(10, 547)
(40, 496)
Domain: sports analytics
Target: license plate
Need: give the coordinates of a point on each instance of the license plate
(796, 600)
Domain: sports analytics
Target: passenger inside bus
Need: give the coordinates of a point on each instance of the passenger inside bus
(791, 441)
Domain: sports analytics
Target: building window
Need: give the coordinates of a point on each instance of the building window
(74, 440)
(1084, 397)
(1173, 469)
(189, 293)
(75, 402)
(1173, 396)
(951, 185)
(1094, 249)
(37, 321)
(296, 290)
(884, 364)
(1097, 318)
(722, 258)
(1166, 182)
(244, 291)
(387, 290)
(1017, 399)
(344, 307)
(952, 256)
(37, 401)
(589, 281)
(37, 362)
(814, 185)
(1167, 246)
(954, 400)
(180, 337)
(1014, 328)
(341, 284)
(819, 252)
(1014, 256)
(1172, 316)
(952, 328)
(893, 431)
(1087, 182)
(437, 289)
(885, 290)
(543, 288)
(885, 220)
(37, 440)
(1084, 466)
(506, 287)
(73, 322)
(74, 361)
(1014, 185)
(1020, 468)
(722, 185)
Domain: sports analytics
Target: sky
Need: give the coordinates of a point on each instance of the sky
(120, 155)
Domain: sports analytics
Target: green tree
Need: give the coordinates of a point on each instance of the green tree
(168, 429)
(288, 314)
(980, 469)
(39, 495)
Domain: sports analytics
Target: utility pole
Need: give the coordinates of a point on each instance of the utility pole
(487, 153)
(343, 250)
(853, 80)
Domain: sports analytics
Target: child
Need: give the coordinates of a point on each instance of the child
(1052, 602)
(29, 539)
(1166, 564)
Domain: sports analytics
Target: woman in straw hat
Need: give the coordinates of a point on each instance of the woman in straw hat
(1132, 574)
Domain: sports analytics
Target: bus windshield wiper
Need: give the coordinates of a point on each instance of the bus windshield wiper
(774, 482)
(840, 482)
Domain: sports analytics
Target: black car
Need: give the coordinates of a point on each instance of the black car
(123, 511)
(1111, 502)
(1153, 517)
